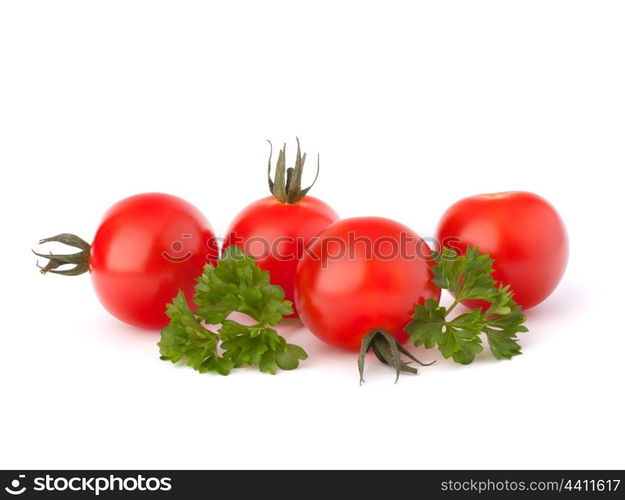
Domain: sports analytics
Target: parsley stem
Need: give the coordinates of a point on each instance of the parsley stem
(290, 321)
(451, 308)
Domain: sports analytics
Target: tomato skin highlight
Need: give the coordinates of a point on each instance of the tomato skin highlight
(275, 234)
(521, 231)
(342, 299)
(148, 247)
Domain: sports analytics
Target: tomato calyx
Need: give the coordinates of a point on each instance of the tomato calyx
(80, 260)
(388, 351)
(286, 185)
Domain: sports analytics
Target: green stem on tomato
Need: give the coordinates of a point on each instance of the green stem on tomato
(80, 260)
(388, 351)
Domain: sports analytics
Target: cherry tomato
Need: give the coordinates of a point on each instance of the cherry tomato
(147, 247)
(363, 274)
(276, 233)
(521, 231)
(275, 230)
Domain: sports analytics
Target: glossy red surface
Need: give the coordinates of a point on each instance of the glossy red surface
(147, 248)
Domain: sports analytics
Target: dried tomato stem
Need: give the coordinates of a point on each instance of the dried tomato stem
(388, 351)
(80, 260)
(286, 184)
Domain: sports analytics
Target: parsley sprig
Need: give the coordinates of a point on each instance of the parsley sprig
(468, 277)
(235, 284)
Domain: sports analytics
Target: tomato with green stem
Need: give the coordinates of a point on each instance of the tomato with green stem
(358, 283)
(147, 248)
(275, 230)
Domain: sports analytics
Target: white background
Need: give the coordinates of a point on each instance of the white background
(412, 106)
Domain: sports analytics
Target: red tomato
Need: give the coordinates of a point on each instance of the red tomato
(147, 248)
(521, 231)
(362, 274)
(276, 233)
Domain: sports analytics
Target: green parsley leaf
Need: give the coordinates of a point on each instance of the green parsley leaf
(262, 346)
(505, 320)
(461, 340)
(468, 277)
(458, 339)
(236, 284)
(427, 327)
(185, 338)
